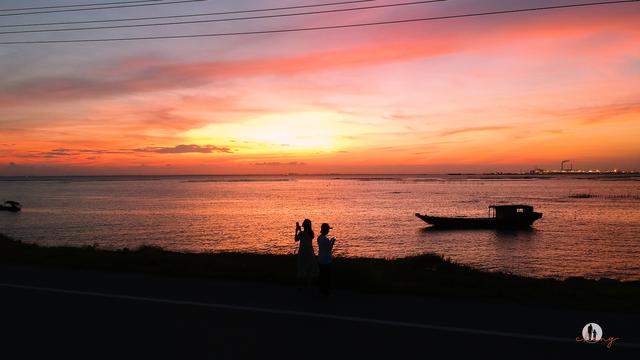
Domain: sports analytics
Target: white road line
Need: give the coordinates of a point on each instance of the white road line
(307, 314)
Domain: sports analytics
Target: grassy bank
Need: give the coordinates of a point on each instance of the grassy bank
(419, 275)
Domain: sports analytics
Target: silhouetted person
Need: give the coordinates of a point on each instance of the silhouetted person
(325, 248)
(595, 335)
(590, 331)
(307, 265)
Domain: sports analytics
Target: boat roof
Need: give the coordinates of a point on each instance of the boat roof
(513, 206)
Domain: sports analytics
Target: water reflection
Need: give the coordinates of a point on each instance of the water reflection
(371, 218)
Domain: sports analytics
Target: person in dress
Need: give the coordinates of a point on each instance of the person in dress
(325, 249)
(307, 264)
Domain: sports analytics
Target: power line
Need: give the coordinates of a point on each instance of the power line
(228, 19)
(76, 5)
(192, 15)
(102, 8)
(276, 31)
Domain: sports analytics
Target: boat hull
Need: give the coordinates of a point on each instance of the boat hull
(9, 208)
(478, 223)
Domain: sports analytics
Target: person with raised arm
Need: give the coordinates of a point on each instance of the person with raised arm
(307, 264)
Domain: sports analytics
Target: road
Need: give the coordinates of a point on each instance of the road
(63, 314)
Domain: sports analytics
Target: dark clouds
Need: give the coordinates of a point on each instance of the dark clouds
(93, 153)
(184, 149)
(278, 163)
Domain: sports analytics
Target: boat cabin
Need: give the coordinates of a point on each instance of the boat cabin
(510, 211)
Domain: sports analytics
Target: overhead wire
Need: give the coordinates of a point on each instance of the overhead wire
(103, 7)
(317, 12)
(327, 27)
(77, 5)
(191, 15)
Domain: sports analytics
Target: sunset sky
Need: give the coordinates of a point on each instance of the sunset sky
(504, 92)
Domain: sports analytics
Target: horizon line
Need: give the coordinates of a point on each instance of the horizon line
(551, 172)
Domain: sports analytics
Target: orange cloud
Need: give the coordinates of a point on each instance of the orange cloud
(157, 76)
(475, 129)
(320, 61)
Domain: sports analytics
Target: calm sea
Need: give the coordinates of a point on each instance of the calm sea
(372, 216)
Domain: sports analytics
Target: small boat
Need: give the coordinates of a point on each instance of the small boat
(500, 216)
(12, 206)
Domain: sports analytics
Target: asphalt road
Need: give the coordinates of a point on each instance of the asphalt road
(61, 314)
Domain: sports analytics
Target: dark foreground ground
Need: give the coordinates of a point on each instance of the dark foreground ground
(89, 303)
(63, 314)
(424, 275)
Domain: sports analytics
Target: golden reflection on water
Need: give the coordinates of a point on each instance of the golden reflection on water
(594, 237)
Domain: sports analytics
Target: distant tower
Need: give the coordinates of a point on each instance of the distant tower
(568, 168)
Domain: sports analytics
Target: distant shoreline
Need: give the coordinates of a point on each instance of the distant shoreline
(337, 176)
(423, 275)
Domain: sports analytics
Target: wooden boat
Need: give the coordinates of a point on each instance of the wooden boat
(12, 206)
(500, 216)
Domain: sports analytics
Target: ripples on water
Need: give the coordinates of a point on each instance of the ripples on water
(597, 236)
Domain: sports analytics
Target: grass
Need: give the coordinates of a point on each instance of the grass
(428, 274)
